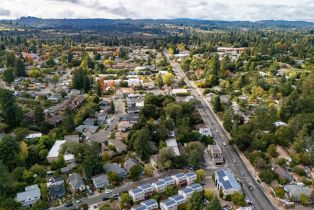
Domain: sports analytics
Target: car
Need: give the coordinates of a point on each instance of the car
(224, 143)
(115, 196)
(68, 204)
(234, 161)
(108, 191)
(250, 187)
(105, 198)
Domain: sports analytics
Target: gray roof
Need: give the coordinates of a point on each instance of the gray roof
(195, 186)
(190, 174)
(129, 163)
(169, 202)
(56, 188)
(227, 180)
(140, 207)
(31, 193)
(101, 178)
(113, 167)
(90, 128)
(76, 180)
(149, 203)
(297, 190)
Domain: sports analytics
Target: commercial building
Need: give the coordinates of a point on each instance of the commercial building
(226, 181)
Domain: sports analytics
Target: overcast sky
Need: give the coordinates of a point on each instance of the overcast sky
(200, 9)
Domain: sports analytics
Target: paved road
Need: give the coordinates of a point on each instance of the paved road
(103, 134)
(257, 196)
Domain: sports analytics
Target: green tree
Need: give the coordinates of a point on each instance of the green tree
(10, 111)
(8, 75)
(217, 104)
(6, 181)
(9, 59)
(238, 199)
(135, 172)
(268, 176)
(125, 200)
(165, 157)
(9, 149)
(113, 178)
(214, 204)
(112, 109)
(69, 124)
(194, 154)
(304, 199)
(168, 79)
(195, 202)
(141, 146)
(200, 174)
(19, 67)
(159, 81)
(39, 115)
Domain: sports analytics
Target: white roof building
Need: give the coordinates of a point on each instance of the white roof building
(205, 131)
(137, 194)
(172, 143)
(55, 150)
(30, 196)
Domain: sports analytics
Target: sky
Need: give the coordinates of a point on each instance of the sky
(252, 10)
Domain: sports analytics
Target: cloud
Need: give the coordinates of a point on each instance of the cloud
(201, 9)
(4, 12)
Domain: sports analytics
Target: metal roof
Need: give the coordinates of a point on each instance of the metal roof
(227, 180)
(169, 203)
(137, 191)
(177, 198)
(195, 186)
(190, 174)
(149, 203)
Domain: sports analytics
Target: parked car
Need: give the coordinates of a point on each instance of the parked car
(68, 204)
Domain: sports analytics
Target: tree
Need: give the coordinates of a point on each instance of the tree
(112, 107)
(39, 115)
(268, 176)
(217, 104)
(9, 149)
(209, 194)
(9, 59)
(159, 81)
(19, 68)
(125, 200)
(135, 172)
(194, 154)
(68, 124)
(6, 181)
(304, 199)
(149, 170)
(98, 88)
(106, 207)
(214, 204)
(165, 158)
(200, 174)
(34, 72)
(168, 79)
(238, 199)
(80, 80)
(8, 75)
(141, 146)
(11, 112)
(113, 178)
(195, 202)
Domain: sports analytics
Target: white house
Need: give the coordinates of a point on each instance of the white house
(195, 187)
(180, 179)
(137, 194)
(190, 177)
(159, 186)
(169, 180)
(100, 181)
(150, 204)
(226, 182)
(186, 193)
(30, 196)
(205, 132)
(168, 204)
(179, 199)
(147, 188)
(55, 151)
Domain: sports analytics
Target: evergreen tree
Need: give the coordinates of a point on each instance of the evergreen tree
(39, 115)
(159, 81)
(112, 107)
(19, 68)
(8, 75)
(10, 111)
(217, 104)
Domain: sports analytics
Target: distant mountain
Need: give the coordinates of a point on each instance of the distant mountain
(142, 25)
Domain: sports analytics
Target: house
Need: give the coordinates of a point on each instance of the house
(150, 204)
(73, 138)
(139, 207)
(76, 182)
(56, 188)
(179, 91)
(129, 163)
(134, 82)
(172, 143)
(68, 168)
(88, 128)
(195, 187)
(205, 132)
(89, 121)
(180, 179)
(226, 181)
(216, 154)
(113, 167)
(159, 186)
(137, 194)
(69, 158)
(295, 191)
(186, 193)
(55, 151)
(168, 204)
(124, 126)
(190, 177)
(30, 196)
(169, 180)
(179, 199)
(123, 92)
(282, 172)
(119, 146)
(33, 136)
(100, 181)
(147, 188)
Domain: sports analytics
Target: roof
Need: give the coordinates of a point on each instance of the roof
(169, 203)
(119, 145)
(56, 187)
(31, 193)
(160, 183)
(68, 157)
(136, 191)
(187, 190)
(177, 198)
(205, 131)
(129, 163)
(149, 203)
(215, 149)
(297, 190)
(33, 135)
(172, 143)
(76, 180)
(168, 179)
(113, 167)
(191, 174)
(195, 187)
(74, 138)
(145, 186)
(55, 149)
(90, 128)
(180, 176)
(101, 178)
(140, 207)
(227, 180)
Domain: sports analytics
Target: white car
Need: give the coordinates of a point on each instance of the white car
(224, 143)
